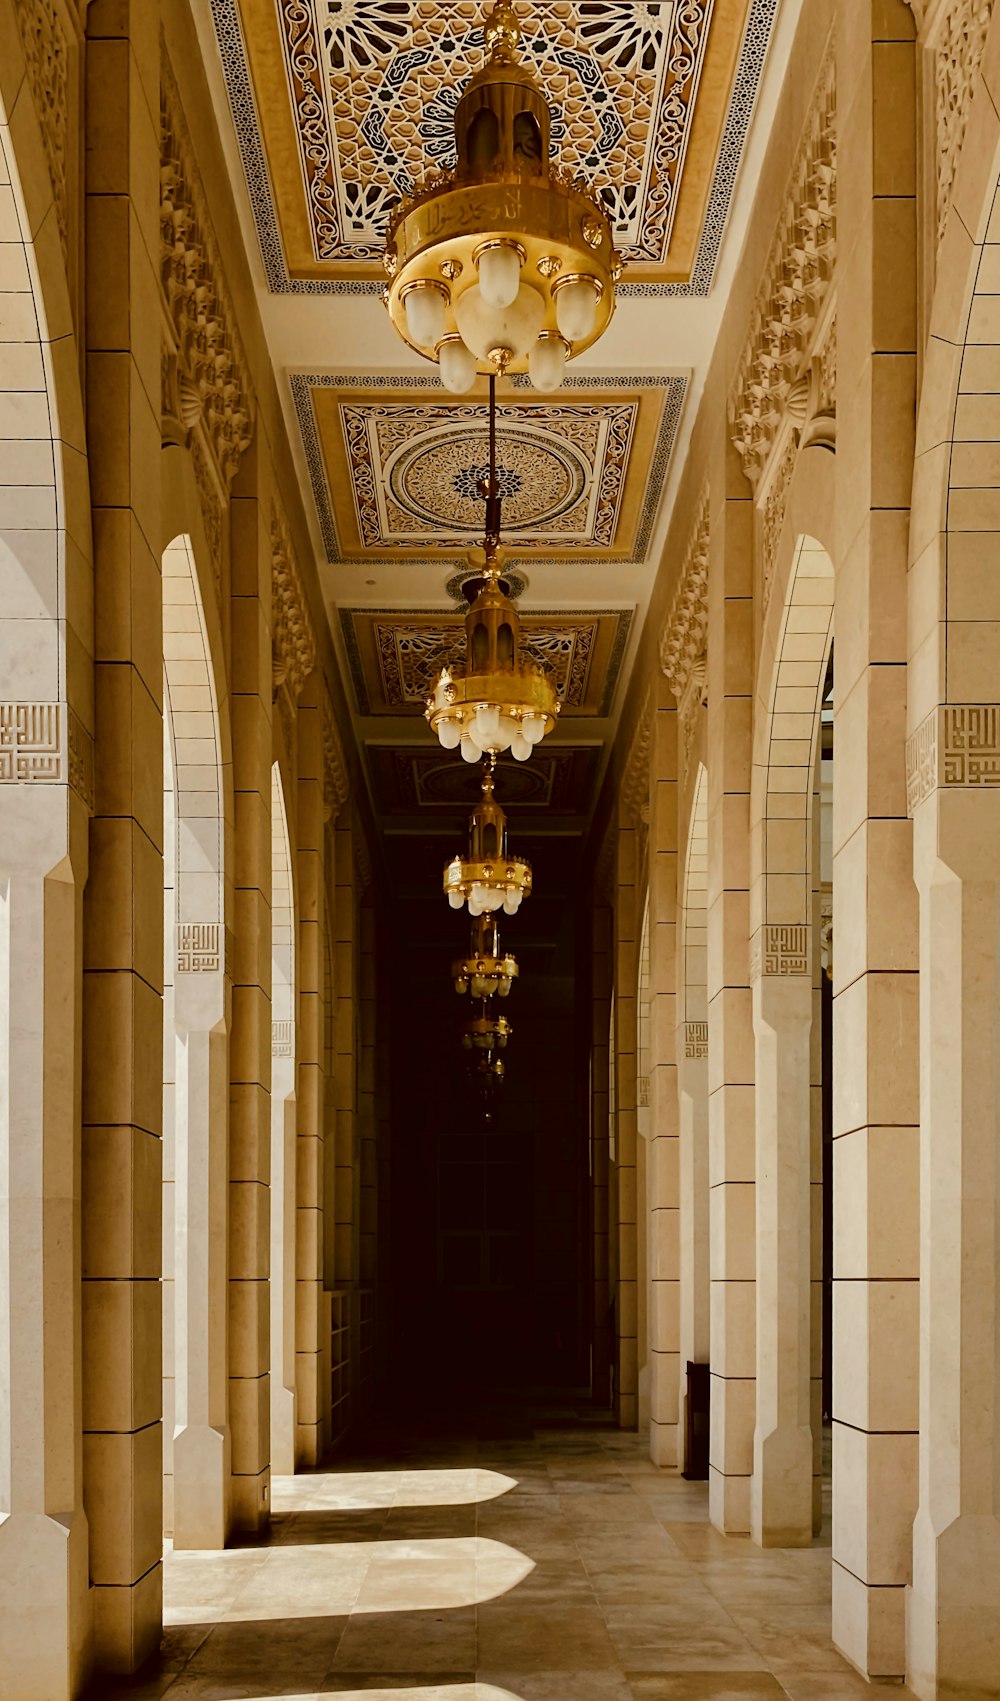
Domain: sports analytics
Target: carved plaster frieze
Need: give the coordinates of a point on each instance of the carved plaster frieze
(201, 321)
(689, 709)
(773, 515)
(335, 777)
(780, 949)
(213, 511)
(683, 638)
(293, 643)
(958, 744)
(956, 37)
(635, 781)
(47, 58)
(794, 287)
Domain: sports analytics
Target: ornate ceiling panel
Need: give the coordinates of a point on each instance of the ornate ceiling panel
(408, 779)
(343, 105)
(396, 654)
(395, 466)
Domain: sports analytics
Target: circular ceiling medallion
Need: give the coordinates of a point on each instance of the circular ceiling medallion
(516, 584)
(435, 477)
(459, 783)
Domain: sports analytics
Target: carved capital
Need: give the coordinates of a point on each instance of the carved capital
(793, 289)
(293, 644)
(683, 638)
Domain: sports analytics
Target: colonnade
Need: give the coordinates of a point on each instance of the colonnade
(835, 521)
(174, 792)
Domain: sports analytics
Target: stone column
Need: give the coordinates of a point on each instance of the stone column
(122, 1068)
(692, 1078)
(954, 1605)
(202, 1444)
(781, 1488)
(730, 1022)
(283, 1294)
(46, 794)
(599, 1147)
(250, 1083)
(875, 1040)
(665, 1440)
(623, 1111)
(312, 1398)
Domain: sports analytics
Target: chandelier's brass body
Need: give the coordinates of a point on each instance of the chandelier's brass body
(486, 1033)
(494, 673)
(488, 862)
(486, 967)
(502, 190)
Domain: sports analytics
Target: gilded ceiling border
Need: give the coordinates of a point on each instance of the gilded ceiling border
(250, 140)
(622, 616)
(303, 383)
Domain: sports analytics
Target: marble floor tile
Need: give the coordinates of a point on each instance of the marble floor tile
(525, 1562)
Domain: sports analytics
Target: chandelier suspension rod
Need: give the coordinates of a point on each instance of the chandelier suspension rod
(493, 482)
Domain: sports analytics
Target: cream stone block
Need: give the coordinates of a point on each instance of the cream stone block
(128, 1622)
(248, 1327)
(732, 1219)
(249, 1231)
(729, 1503)
(728, 937)
(869, 1625)
(664, 1274)
(123, 1474)
(873, 881)
(972, 590)
(874, 1503)
(870, 732)
(252, 1501)
(125, 912)
(308, 1244)
(729, 842)
(250, 1046)
(731, 1135)
(123, 1080)
(249, 1131)
(121, 1183)
(874, 1042)
(733, 1405)
(664, 1177)
(250, 1420)
(734, 1329)
(876, 1334)
(45, 1604)
(121, 1364)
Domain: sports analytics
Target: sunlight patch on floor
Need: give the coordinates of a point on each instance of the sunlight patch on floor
(371, 1491)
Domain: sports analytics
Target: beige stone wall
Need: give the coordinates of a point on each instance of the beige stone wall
(855, 379)
(160, 596)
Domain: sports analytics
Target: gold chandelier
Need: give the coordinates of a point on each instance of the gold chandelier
(489, 878)
(485, 971)
(504, 264)
(500, 702)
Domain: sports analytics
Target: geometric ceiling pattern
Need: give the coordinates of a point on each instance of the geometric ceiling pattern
(395, 655)
(559, 779)
(341, 106)
(395, 466)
